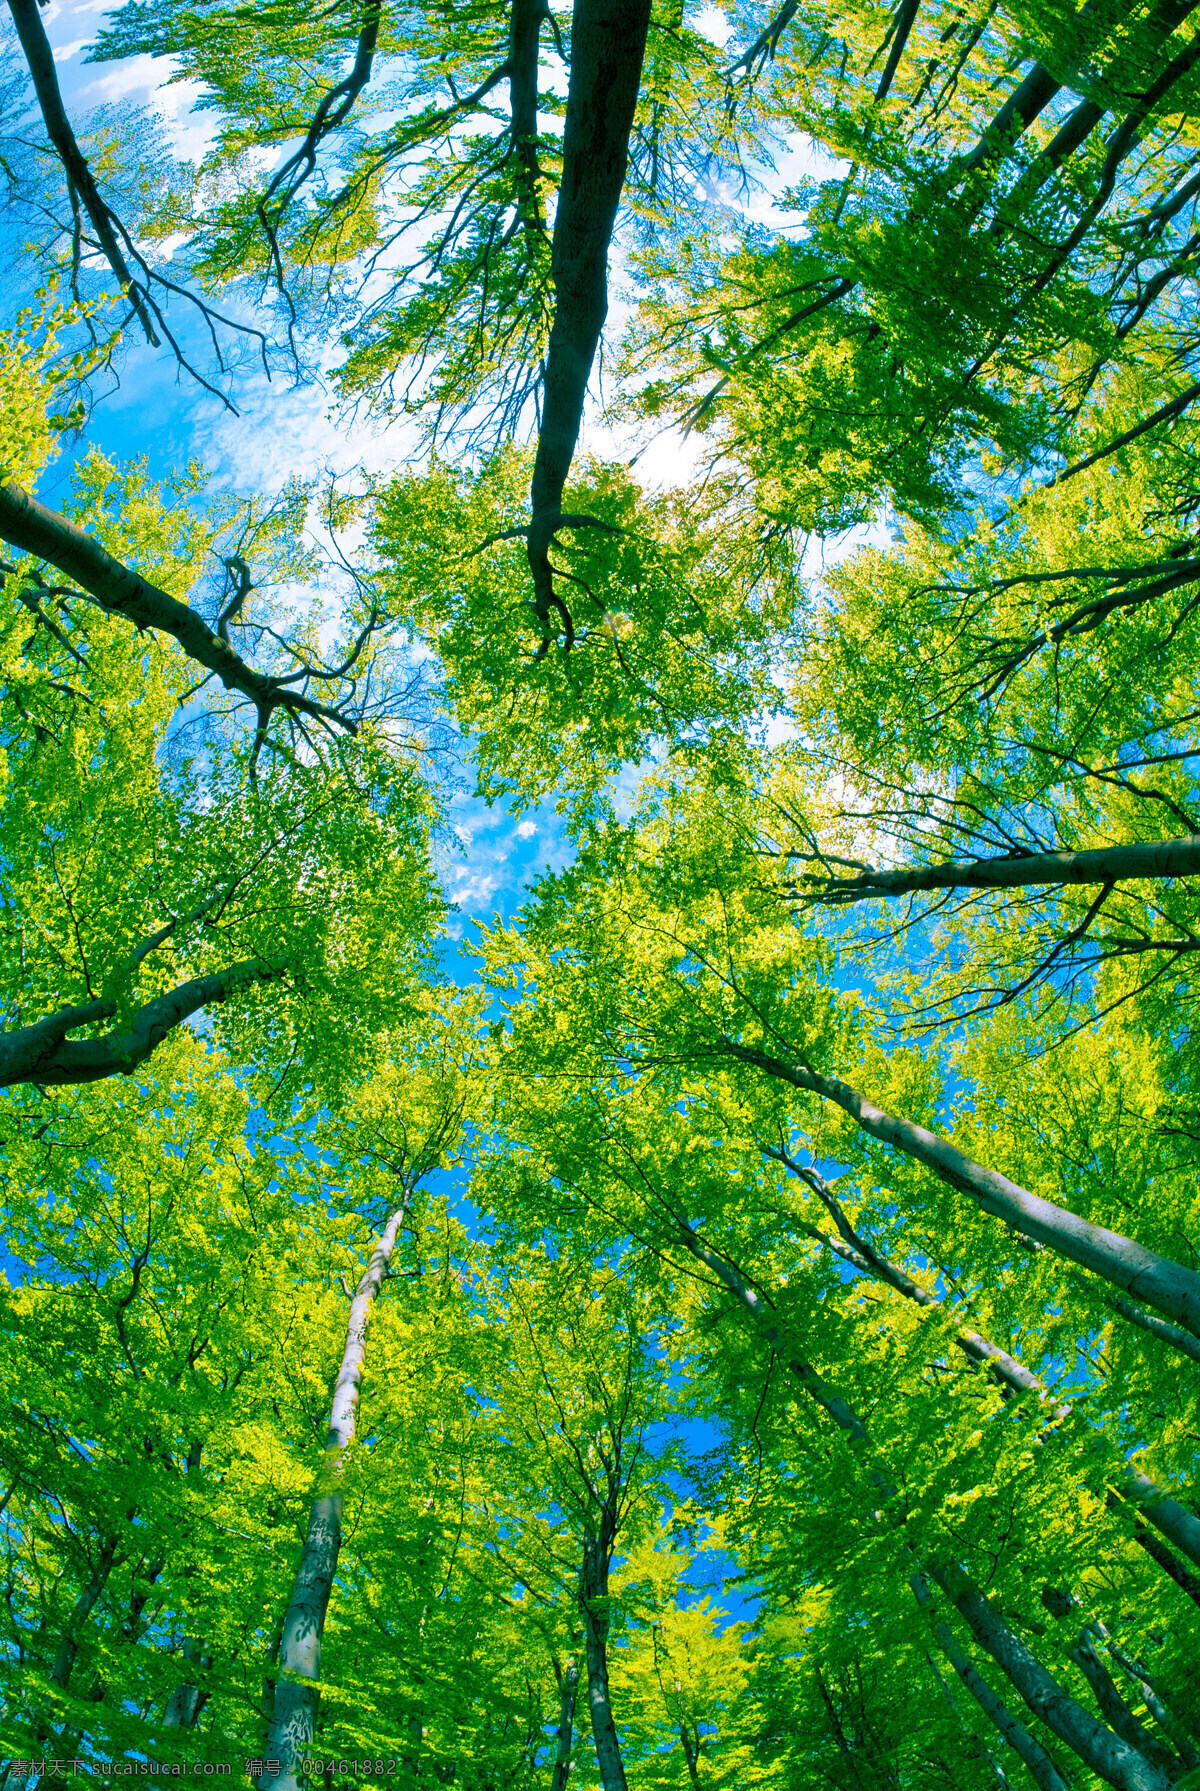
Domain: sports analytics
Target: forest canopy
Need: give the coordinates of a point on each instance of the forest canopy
(725, 1314)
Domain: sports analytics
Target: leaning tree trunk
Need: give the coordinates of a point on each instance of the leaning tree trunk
(608, 43)
(293, 1720)
(1112, 1759)
(1166, 1514)
(1042, 1769)
(1125, 1264)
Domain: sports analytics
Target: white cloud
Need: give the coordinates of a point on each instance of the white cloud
(526, 830)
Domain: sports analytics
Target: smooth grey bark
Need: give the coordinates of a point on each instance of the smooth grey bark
(1116, 1712)
(998, 1772)
(43, 1054)
(188, 1699)
(1127, 1265)
(608, 43)
(1153, 1325)
(568, 1691)
(1157, 1551)
(1108, 1756)
(1105, 864)
(293, 1719)
(120, 591)
(1168, 1515)
(80, 180)
(85, 1604)
(1042, 1768)
(1120, 1765)
(593, 1590)
(1180, 1737)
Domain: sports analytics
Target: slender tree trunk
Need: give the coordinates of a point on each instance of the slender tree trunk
(188, 1699)
(1175, 1522)
(1179, 1737)
(1120, 1765)
(568, 1690)
(1168, 1515)
(1108, 1756)
(689, 1747)
(68, 1649)
(1107, 864)
(839, 1734)
(293, 1718)
(608, 43)
(44, 75)
(1041, 1767)
(998, 1772)
(1127, 1265)
(1116, 1711)
(593, 1586)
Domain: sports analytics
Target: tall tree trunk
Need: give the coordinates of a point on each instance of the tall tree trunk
(998, 1772)
(80, 179)
(1107, 864)
(1118, 1764)
(1116, 1711)
(1127, 1265)
(68, 1648)
(1042, 1768)
(1108, 1756)
(690, 1746)
(188, 1699)
(293, 1718)
(1168, 1515)
(608, 43)
(593, 1587)
(568, 1690)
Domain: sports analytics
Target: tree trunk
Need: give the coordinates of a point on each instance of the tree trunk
(568, 1689)
(1159, 1553)
(593, 1585)
(1127, 1265)
(1108, 1756)
(1116, 1711)
(1174, 1520)
(998, 1772)
(68, 1649)
(188, 1699)
(1042, 1768)
(80, 179)
(293, 1719)
(1111, 1758)
(1106, 864)
(690, 1753)
(608, 43)
(120, 591)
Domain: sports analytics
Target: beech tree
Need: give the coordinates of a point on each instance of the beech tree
(745, 1335)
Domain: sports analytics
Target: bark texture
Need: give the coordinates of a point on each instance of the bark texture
(118, 589)
(1108, 1756)
(593, 1591)
(568, 1691)
(608, 43)
(293, 1720)
(1042, 1769)
(43, 1054)
(1106, 864)
(1125, 1264)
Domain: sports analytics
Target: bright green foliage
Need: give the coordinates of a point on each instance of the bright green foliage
(768, 1368)
(678, 619)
